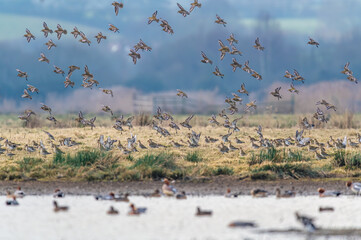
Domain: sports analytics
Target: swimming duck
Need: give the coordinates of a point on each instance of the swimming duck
(181, 196)
(229, 194)
(136, 211)
(286, 194)
(259, 193)
(19, 193)
(323, 193)
(203, 212)
(11, 200)
(354, 186)
(122, 198)
(112, 211)
(58, 208)
(58, 193)
(307, 222)
(110, 196)
(168, 189)
(156, 193)
(242, 224)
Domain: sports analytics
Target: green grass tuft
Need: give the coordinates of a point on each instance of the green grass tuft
(193, 157)
(80, 159)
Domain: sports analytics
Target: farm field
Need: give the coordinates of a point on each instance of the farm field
(86, 161)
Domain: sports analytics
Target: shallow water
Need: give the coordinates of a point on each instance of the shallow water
(168, 218)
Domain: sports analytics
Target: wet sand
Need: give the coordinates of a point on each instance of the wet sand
(209, 186)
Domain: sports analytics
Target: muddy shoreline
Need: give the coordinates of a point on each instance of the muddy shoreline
(212, 186)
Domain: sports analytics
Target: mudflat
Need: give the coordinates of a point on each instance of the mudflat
(207, 186)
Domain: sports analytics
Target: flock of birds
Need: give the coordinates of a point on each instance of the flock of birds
(170, 191)
(233, 102)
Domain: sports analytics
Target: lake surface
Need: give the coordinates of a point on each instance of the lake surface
(169, 218)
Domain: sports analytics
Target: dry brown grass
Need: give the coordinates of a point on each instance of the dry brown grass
(211, 163)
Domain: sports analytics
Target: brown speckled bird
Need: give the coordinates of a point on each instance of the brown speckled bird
(46, 30)
(117, 6)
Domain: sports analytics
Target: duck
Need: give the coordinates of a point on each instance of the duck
(136, 211)
(259, 193)
(195, 4)
(29, 35)
(257, 45)
(112, 211)
(58, 193)
(229, 194)
(122, 198)
(22, 74)
(153, 18)
(200, 212)
(50, 44)
(205, 58)
(242, 224)
(19, 193)
(117, 6)
(42, 58)
(110, 196)
(307, 222)
(326, 209)
(46, 30)
(220, 21)
(58, 208)
(286, 194)
(354, 186)
(312, 42)
(156, 193)
(182, 10)
(181, 196)
(323, 193)
(11, 200)
(168, 189)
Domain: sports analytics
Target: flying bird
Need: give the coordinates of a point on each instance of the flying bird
(153, 18)
(113, 28)
(181, 94)
(134, 56)
(22, 74)
(182, 10)
(100, 36)
(60, 31)
(276, 93)
(46, 30)
(205, 58)
(257, 45)
(76, 32)
(117, 6)
(26, 95)
(194, 4)
(218, 73)
(312, 42)
(42, 58)
(29, 35)
(220, 21)
(50, 44)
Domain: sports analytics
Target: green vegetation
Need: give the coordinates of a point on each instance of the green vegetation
(285, 170)
(79, 159)
(350, 161)
(276, 156)
(193, 157)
